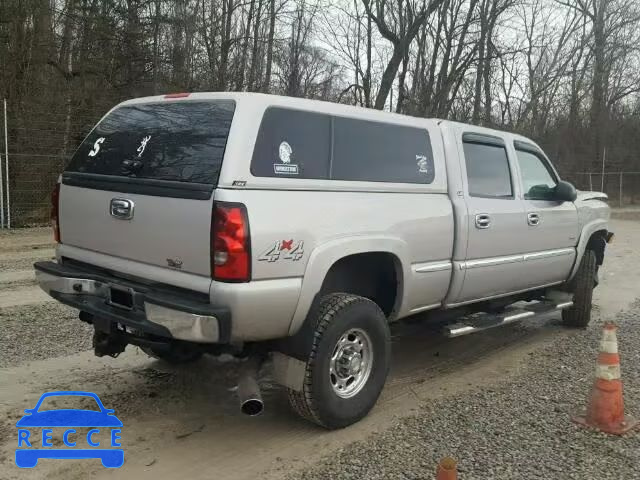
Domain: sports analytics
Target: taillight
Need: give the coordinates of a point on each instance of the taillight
(230, 243)
(55, 212)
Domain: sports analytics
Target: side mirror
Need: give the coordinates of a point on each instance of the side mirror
(565, 192)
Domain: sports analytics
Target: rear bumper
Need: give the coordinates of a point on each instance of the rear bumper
(153, 311)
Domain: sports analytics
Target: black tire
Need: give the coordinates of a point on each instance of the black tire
(336, 316)
(176, 355)
(579, 315)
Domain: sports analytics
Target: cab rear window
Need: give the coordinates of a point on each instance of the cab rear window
(173, 141)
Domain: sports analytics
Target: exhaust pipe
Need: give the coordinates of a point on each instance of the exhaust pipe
(248, 389)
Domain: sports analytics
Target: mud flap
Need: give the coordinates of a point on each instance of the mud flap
(288, 371)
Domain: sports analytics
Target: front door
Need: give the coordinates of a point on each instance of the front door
(496, 230)
(552, 226)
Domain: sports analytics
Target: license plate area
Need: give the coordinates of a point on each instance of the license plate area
(121, 297)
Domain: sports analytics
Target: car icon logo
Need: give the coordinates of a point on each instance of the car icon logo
(28, 452)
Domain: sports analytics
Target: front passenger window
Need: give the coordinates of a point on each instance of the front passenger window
(537, 180)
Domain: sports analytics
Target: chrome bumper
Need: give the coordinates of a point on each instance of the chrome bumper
(179, 318)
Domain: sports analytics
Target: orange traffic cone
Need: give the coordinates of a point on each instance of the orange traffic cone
(606, 407)
(447, 469)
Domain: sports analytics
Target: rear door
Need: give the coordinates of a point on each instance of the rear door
(495, 225)
(139, 186)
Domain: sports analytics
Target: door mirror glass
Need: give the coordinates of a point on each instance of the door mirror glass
(565, 192)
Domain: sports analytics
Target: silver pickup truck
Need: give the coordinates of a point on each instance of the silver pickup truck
(265, 226)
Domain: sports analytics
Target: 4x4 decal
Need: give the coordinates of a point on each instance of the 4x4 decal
(285, 249)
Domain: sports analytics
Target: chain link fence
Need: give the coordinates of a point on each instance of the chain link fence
(31, 181)
(623, 188)
(37, 140)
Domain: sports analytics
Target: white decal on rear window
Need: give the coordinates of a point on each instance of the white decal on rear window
(143, 145)
(286, 167)
(423, 164)
(96, 147)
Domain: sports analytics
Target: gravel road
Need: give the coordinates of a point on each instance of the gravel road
(42, 331)
(518, 429)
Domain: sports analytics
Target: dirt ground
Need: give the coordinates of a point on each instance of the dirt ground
(185, 422)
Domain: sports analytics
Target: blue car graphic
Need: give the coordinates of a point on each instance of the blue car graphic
(69, 418)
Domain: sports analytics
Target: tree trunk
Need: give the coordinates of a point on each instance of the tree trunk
(272, 27)
(367, 80)
(598, 114)
(477, 94)
(156, 50)
(225, 43)
(254, 48)
(401, 85)
(486, 73)
(386, 82)
(245, 47)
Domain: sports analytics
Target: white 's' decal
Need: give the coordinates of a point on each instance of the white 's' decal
(96, 147)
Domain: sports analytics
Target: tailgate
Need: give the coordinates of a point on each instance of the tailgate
(140, 186)
(164, 231)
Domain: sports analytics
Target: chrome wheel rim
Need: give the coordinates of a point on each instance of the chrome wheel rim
(351, 362)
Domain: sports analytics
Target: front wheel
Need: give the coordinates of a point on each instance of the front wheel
(579, 315)
(348, 363)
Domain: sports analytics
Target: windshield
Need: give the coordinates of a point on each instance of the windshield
(175, 141)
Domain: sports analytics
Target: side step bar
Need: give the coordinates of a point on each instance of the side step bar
(483, 321)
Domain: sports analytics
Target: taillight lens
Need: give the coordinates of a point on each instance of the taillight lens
(55, 212)
(230, 243)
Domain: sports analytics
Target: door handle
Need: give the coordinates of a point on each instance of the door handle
(483, 220)
(533, 219)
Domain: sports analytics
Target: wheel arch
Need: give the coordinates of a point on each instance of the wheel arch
(593, 237)
(329, 259)
(373, 275)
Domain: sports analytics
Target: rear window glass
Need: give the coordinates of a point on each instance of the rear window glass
(488, 171)
(298, 144)
(292, 143)
(381, 152)
(175, 141)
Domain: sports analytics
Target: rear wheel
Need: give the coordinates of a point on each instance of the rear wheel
(579, 314)
(348, 363)
(176, 355)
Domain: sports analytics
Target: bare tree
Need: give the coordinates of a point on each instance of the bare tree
(489, 13)
(399, 24)
(613, 26)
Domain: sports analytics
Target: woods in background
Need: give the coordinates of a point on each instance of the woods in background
(564, 72)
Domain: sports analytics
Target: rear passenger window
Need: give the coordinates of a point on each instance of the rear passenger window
(292, 143)
(380, 152)
(488, 171)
